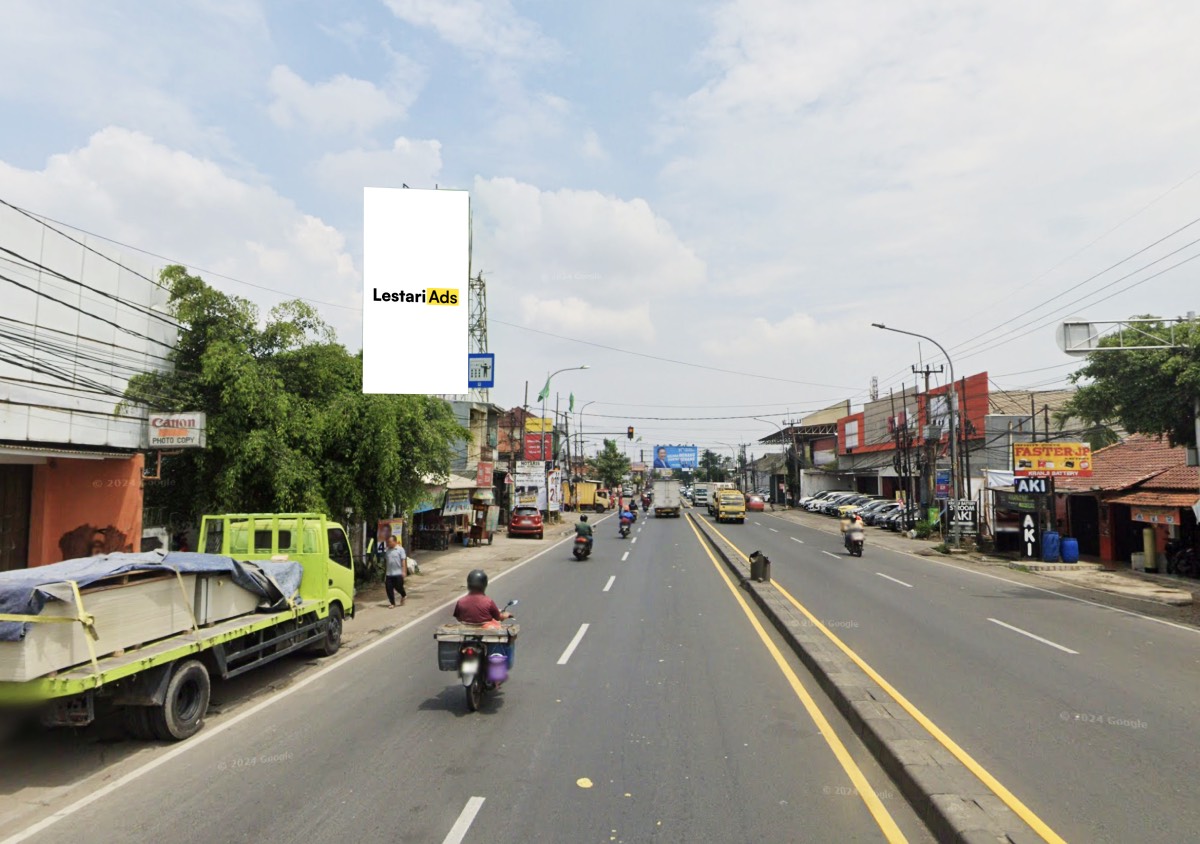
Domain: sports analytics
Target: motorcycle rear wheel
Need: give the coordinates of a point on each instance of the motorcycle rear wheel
(474, 694)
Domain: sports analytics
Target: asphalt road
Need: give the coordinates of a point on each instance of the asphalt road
(670, 720)
(1094, 724)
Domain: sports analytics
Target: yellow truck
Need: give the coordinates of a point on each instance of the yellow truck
(589, 496)
(730, 506)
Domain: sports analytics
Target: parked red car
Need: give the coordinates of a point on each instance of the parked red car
(754, 502)
(526, 521)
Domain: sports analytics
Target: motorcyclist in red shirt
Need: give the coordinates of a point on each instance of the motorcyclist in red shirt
(476, 607)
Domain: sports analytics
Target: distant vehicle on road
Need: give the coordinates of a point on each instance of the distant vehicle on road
(755, 502)
(666, 499)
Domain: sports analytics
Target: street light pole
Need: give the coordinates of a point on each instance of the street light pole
(955, 476)
(542, 422)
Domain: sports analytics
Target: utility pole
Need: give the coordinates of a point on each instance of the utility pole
(931, 443)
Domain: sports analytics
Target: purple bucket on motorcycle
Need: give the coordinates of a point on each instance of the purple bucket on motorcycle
(497, 668)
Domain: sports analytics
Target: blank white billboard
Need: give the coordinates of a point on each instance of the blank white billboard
(416, 261)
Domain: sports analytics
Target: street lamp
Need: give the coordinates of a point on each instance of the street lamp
(546, 392)
(955, 479)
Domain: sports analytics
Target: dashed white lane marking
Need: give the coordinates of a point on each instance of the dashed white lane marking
(773, 530)
(894, 580)
(562, 660)
(625, 556)
(459, 831)
(794, 539)
(608, 585)
(1032, 636)
(633, 541)
(831, 554)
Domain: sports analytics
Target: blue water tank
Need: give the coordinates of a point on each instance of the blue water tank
(1050, 546)
(1070, 550)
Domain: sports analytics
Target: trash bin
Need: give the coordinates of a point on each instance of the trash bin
(1070, 549)
(1050, 546)
(760, 567)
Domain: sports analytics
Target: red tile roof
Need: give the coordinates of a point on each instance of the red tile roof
(1133, 461)
(1151, 498)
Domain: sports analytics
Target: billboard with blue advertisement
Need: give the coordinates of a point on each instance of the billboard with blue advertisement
(675, 457)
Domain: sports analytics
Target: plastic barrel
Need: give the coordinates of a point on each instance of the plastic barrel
(1050, 546)
(1070, 550)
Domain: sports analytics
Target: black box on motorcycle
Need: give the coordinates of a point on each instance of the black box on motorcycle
(448, 655)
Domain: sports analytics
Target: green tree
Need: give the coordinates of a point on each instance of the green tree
(610, 465)
(288, 427)
(711, 466)
(1146, 391)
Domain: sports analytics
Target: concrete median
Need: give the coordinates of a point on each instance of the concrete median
(949, 797)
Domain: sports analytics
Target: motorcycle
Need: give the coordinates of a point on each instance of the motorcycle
(854, 541)
(624, 529)
(480, 653)
(583, 548)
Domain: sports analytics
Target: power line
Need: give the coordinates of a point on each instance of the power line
(135, 306)
(96, 317)
(671, 360)
(42, 219)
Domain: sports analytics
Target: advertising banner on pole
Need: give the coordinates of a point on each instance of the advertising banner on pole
(676, 457)
(1050, 460)
(529, 487)
(942, 484)
(554, 491)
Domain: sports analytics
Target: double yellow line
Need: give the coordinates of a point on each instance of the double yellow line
(994, 785)
(881, 815)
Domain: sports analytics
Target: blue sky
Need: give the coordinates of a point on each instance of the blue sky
(741, 185)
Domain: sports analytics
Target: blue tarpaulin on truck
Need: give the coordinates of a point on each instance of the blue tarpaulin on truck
(21, 590)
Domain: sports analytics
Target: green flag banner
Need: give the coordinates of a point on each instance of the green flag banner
(571, 406)
(545, 391)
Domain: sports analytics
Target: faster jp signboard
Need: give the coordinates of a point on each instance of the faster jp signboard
(1052, 460)
(176, 430)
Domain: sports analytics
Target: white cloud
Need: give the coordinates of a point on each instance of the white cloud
(580, 242)
(584, 319)
(592, 148)
(416, 163)
(342, 104)
(926, 161)
(481, 27)
(126, 186)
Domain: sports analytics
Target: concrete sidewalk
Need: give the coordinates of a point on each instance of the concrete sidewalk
(1147, 591)
(443, 578)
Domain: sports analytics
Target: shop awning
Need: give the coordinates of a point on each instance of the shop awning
(1150, 498)
(458, 502)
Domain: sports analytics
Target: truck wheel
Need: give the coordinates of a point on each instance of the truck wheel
(599, 508)
(333, 632)
(181, 714)
(135, 720)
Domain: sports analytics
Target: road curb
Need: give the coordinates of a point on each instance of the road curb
(952, 802)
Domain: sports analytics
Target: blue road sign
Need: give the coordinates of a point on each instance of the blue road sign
(481, 371)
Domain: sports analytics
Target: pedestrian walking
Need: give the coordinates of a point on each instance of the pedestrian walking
(397, 569)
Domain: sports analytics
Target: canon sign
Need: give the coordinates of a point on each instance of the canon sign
(179, 430)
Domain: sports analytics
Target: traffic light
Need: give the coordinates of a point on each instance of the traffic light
(629, 432)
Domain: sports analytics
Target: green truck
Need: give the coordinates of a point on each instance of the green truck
(218, 626)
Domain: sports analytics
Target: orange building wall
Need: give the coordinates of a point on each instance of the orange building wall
(81, 506)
